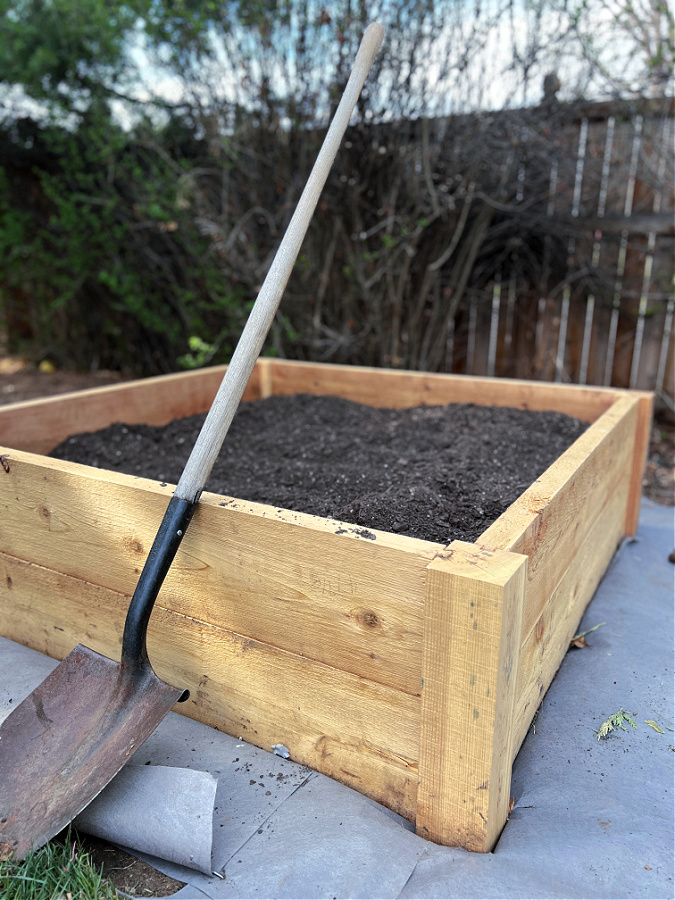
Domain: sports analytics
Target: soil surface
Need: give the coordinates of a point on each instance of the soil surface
(19, 383)
(436, 473)
(129, 875)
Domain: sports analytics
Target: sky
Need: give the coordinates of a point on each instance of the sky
(455, 56)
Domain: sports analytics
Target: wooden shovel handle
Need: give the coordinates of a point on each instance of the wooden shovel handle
(210, 439)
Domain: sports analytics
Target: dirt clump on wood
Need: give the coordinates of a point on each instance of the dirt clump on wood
(439, 473)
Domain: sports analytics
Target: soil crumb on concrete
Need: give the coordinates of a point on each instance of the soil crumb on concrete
(439, 473)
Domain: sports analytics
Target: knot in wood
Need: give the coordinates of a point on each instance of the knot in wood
(368, 619)
(134, 545)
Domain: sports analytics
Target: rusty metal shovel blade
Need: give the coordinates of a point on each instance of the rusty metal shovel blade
(68, 739)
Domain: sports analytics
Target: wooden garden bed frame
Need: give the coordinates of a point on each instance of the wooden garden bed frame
(406, 669)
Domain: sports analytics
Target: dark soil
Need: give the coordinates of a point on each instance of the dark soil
(437, 473)
(131, 876)
(21, 384)
(658, 482)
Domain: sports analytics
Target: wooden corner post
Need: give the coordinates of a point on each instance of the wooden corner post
(472, 634)
(644, 426)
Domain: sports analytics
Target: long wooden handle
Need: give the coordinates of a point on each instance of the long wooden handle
(211, 437)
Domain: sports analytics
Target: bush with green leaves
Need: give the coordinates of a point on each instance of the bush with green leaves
(100, 256)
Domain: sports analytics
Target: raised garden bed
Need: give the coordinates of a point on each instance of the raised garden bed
(406, 668)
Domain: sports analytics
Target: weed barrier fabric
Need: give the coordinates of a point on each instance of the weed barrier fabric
(161, 810)
(591, 819)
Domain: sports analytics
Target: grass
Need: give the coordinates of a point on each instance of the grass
(57, 871)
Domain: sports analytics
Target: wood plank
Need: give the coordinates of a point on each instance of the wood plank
(660, 223)
(356, 731)
(346, 596)
(264, 369)
(545, 646)
(471, 649)
(395, 388)
(549, 523)
(640, 452)
(39, 425)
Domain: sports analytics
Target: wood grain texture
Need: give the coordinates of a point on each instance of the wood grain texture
(359, 732)
(264, 370)
(470, 668)
(39, 425)
(395, 388)
(549, 523)
(640, 452)
(546, 645)
(332, 592)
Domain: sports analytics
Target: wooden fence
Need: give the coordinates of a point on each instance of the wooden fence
(530, 243)
(609, 319)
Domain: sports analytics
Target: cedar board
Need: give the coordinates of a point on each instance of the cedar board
(405, 669)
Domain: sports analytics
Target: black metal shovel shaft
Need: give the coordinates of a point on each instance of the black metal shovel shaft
(162, 553)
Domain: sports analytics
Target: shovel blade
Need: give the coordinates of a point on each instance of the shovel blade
(62, 745)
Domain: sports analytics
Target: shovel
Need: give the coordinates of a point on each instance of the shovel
(63, 744)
